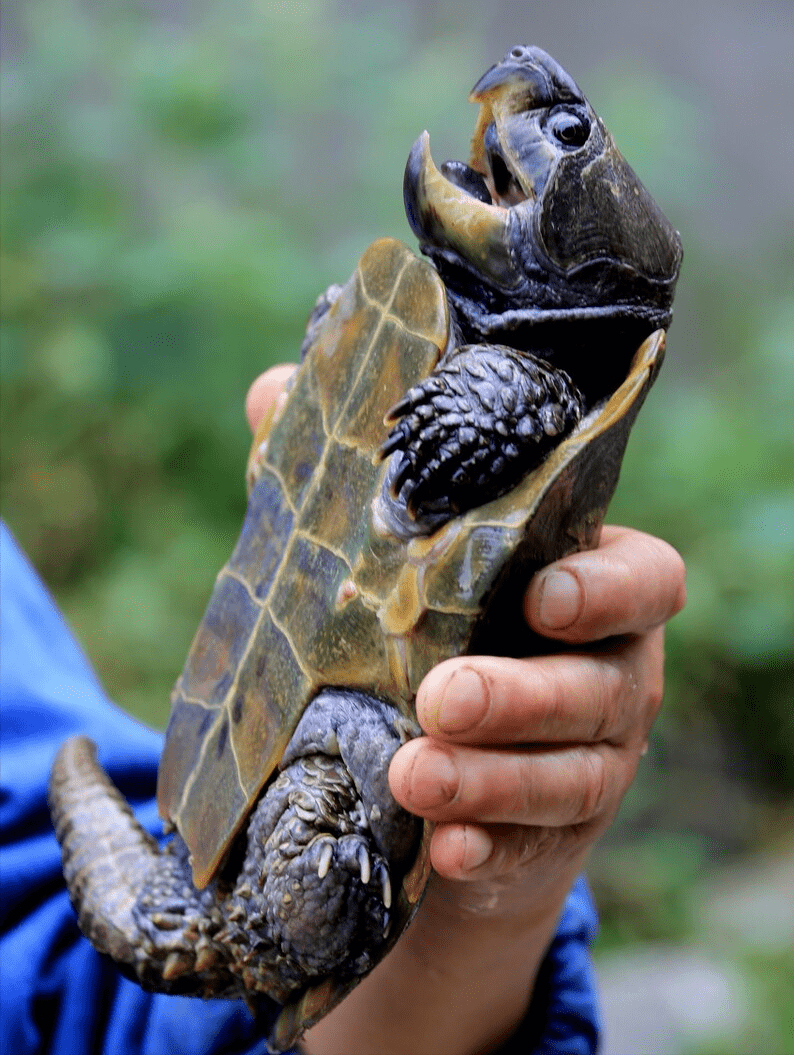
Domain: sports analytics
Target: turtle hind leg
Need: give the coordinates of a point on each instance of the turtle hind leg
(327, 840)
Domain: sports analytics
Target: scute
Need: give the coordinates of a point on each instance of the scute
(302, 619)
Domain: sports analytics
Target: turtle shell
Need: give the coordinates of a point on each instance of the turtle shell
(311, 596)
(319, 592)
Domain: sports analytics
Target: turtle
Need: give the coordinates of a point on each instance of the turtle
(457, 421)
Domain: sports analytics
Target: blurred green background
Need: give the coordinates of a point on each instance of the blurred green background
(180, 181)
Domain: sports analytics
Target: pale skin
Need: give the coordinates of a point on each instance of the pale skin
(524, 765)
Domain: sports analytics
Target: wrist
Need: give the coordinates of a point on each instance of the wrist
(460, 980)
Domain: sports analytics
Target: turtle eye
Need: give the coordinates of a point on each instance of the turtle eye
(568, 128)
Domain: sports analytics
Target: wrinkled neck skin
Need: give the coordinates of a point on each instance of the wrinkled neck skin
(558, 322)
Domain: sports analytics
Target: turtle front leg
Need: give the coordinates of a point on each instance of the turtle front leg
(328, 842)
(470, 431)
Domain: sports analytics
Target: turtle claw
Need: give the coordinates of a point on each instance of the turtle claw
(385, 885)
(178, 963)
(404, 475)
(326, 856)
(206, 958)
(394, 441)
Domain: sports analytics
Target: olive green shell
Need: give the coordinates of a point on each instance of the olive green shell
(318, 591)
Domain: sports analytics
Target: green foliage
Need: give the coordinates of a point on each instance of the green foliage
(711, 468)
(174, 198)
(769, 979)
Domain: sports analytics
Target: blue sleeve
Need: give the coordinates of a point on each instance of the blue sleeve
(56, 993)
(564, 1017)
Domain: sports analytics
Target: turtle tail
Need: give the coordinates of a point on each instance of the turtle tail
(134, 900)
(107, 855)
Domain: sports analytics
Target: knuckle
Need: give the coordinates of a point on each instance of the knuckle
(606, 680)
(594, 787)
(655, 694)
(529, 844)
(651, 667)
(550, 698)
(524, 787)
(678, 581)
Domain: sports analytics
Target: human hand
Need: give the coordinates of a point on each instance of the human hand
(526, 761)
(266, 390)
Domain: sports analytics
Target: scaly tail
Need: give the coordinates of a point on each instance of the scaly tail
(107, 855)
(134, 901)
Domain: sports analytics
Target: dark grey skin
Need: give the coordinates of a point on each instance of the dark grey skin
(565, 253)
(275, 925)
(485, 417)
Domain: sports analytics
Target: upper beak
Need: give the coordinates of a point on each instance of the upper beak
(526, 79)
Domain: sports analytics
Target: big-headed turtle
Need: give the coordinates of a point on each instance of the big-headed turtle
(510, 369)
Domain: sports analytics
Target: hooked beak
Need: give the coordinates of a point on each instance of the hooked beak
(444, 215)
(527, 78)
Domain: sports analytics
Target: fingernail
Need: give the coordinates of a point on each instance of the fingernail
(478, 847)
(433, 779)
(561, 600)
(464, 701)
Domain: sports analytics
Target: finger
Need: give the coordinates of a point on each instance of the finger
(557, 787)
(605, 696)
(264, 392)
(474, 852)
(629, 584)
(477, 853)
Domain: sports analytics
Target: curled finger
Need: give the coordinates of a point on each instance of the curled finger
(549, 787)
(473, 852)
(629, 584)
(611, 694)
(264, 392)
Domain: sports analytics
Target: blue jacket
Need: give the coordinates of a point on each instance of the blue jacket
(56, 993)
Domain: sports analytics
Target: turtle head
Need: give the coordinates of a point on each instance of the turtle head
(547, 222)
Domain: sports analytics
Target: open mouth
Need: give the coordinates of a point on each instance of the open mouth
(459, 210)
(503, 183)
(497, 186)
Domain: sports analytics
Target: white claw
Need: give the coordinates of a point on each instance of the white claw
(178, 963)
(385, 887)
(364, 864)
(206, 959)
(326, 856)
